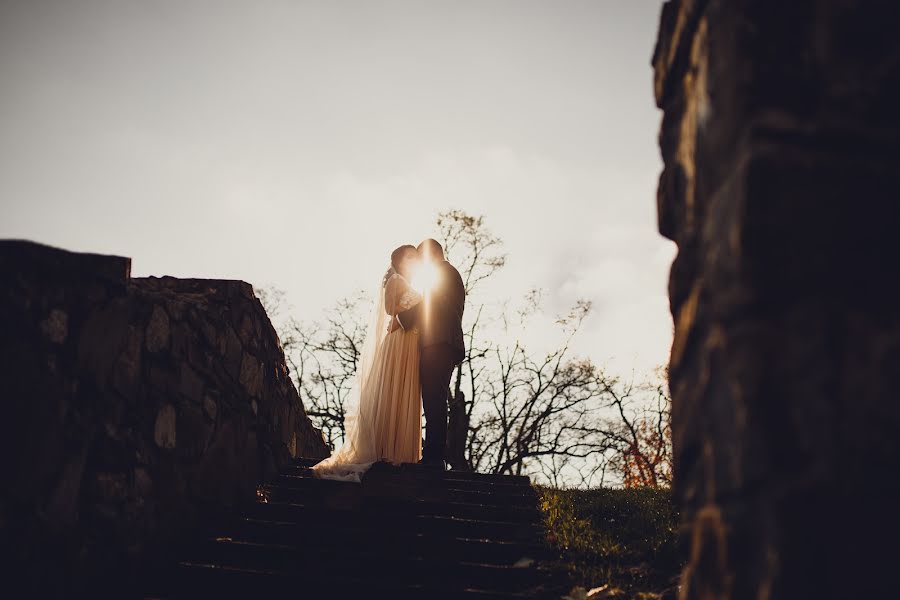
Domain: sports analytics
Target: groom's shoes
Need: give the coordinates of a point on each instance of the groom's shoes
(437, 465)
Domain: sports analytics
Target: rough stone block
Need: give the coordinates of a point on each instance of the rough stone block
(780, 188)
(127, 412)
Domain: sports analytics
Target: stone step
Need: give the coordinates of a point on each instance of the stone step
(338, 495)
(524, 498)
(420, 480)
(405, 531)
(391, 541)
(321, 519)
(419, 472)
(388, 507)
(193, 581)
(412, 478)
(415, 480)
(365, 561)
(450, 491)
(466, 510)
(323, 488)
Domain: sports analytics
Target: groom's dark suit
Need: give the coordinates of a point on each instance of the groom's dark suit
(439, 319)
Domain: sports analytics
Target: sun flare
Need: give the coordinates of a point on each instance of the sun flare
(424, 278)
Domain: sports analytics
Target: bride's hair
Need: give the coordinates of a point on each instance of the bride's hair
(396, 256)
(390, 273)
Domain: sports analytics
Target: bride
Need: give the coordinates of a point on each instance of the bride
(386, 422)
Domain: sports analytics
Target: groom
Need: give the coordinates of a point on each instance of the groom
(439, 319)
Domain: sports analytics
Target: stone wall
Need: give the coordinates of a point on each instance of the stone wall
(132, 409)
(781, 143)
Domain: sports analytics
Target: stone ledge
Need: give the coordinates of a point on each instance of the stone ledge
(678, 23)
(132, 409)
(62, 265)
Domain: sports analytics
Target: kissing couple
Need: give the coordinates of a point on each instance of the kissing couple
(413, 344)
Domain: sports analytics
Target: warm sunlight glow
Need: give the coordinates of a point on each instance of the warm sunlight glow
(424, 278)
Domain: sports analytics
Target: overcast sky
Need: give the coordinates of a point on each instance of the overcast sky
(295, 144)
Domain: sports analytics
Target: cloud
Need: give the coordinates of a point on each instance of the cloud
(296, 144)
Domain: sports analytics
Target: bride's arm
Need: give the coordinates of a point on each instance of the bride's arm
(399, 296)
(409, 318)
(409, 308)
(392, 293)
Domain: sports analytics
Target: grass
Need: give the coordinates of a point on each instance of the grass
(624, 539)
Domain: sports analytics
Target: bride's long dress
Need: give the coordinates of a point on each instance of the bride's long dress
(387, 422)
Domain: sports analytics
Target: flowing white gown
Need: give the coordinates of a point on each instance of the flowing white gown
(386, 423)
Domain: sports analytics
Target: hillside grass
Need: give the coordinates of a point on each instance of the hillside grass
(625, 539)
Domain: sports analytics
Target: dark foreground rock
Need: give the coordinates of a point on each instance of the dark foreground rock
(133, 409)
(781, 143)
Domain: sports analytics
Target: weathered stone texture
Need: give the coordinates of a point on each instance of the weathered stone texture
(131, 409)
(781, 145)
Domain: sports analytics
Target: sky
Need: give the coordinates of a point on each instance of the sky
(294, 144)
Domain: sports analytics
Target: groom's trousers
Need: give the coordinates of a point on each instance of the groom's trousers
(436, 365)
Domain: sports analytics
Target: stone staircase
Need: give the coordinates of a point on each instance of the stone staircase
(404, 532)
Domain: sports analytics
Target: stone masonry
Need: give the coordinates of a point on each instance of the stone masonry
(132, 410)
(781, 143)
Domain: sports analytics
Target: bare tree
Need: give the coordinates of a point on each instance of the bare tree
(324, 357)
(272, 300)
(539, 413)
(641, 431)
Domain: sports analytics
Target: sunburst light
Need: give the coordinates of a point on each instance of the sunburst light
(424, 278)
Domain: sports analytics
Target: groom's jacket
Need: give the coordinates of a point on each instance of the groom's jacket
(439, 315)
